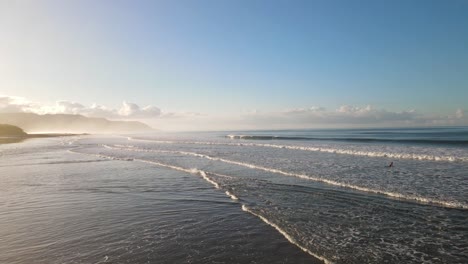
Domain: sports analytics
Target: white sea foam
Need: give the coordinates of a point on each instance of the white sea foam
(233, 197)
(191, 171)
(216, 185)
(419, 199)
(204, 176)
(236, 136)
(343, 151)
(286, 235)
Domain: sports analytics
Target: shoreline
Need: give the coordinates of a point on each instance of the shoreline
(18, 139)
(47, 135)
(214, 230)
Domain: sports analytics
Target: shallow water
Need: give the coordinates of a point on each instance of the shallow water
(61, 207)
(206, 197)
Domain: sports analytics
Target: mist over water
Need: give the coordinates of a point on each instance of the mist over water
(262, 196)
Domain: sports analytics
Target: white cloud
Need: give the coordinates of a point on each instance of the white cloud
(349, 116)
(134, 111)
(127, 110)
(311, 117)
(313, 109)
(15, 104)
(181, 115)
(67, 107)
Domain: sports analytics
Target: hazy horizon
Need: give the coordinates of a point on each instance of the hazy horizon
(219, 65)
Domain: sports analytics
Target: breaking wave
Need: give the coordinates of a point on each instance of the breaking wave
(395, 195)
(351, 139)
(354, 152)
(233, 197)
(205, 176)
(286, 235)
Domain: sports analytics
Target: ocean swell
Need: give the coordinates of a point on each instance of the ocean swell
(354, 152)
(394, 195)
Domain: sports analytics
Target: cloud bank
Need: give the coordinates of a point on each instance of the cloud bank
(313, 117)
(353, 116)
(9, 104)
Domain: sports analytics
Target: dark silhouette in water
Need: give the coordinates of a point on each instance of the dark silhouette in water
(391, 164)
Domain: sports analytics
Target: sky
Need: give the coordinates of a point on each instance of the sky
(244, 64)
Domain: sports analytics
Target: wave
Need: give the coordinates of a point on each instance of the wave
(286, 235)
(378, 154)
(244, 207)
(191, 171)
(217, 186)
(204, 176)
(233, 197)
(351, 139)
(395, 195)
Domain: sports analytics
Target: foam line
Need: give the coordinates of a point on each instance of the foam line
(350, 139)
(216, 185)
(414, 198)
(191, 171)
(233, 197)
(286, 235)
(208, 179)
(378, 154)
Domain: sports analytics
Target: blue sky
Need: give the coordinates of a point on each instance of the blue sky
(229, 58)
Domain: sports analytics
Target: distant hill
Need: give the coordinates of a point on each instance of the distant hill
(11, 131)
(63, 123)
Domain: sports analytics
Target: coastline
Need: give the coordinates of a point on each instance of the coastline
(18, 139)
(177, 185)
(169, 226)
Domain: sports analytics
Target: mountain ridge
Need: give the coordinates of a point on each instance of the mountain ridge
(68, 123)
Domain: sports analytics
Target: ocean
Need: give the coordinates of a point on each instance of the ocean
(290, 196)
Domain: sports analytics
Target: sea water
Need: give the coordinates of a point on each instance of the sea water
(293, 196)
